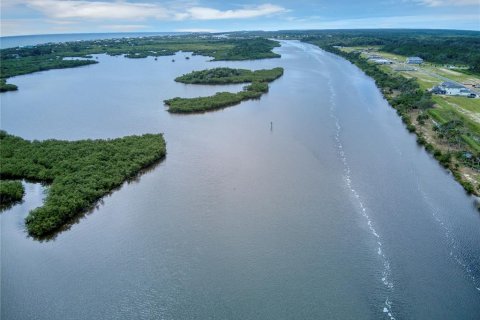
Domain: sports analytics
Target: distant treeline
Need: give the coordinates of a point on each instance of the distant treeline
(455, 47)
(24, 60)
(79, 172)
(438, 47)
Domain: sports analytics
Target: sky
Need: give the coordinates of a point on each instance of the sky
(24, 17)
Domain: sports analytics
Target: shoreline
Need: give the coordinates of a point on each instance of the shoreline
(440, 151)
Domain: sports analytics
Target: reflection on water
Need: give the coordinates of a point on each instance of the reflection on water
(241, 221)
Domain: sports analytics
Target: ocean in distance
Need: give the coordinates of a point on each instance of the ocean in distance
(32, 40)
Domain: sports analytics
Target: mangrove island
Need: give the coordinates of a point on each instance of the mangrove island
(79, 172)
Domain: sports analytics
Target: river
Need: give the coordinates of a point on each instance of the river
(332, 213)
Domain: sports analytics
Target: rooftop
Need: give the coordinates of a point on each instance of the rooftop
(452, 85)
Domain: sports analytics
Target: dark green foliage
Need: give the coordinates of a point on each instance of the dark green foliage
(257, 87)
(10, 192)
(229, 75)
(16, 67)
(80, 172)
(437, 46)
(4, 86)
(202, 104)
(24, 60)
(245, 49)
(220, 100)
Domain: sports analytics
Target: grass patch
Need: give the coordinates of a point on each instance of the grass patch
(472, 105)
(449, 112)
(80, 172)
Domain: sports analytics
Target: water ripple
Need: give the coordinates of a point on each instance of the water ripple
(386, 272)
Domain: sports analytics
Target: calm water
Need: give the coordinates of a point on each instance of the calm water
(336, 213)
(31, 40)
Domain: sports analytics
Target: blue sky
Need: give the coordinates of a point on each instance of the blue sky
(19, 17)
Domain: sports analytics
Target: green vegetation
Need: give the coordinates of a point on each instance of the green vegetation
(79, 172)
(15, 67)
(10, 192)
(4, 86)
(229, 75)
(259, 84)
(452, 47)
(218, 101)
(24, 60)
(453, 138)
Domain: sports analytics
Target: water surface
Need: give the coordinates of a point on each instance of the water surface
(336, 213)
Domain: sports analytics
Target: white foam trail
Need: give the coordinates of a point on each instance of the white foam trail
(386, 272)
(449, 237)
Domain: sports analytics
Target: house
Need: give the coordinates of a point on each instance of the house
(455, 89)
(414, 60)
(452, 89)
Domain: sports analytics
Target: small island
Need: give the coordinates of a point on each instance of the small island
(230, 76)
(258, 85)
(79, 172)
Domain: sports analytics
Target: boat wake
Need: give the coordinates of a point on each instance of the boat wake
(386, 272)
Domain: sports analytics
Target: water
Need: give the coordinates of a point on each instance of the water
(335, 213)
(31, 40)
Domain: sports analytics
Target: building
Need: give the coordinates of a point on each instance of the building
(452, 89)
(414, 60)
(380, 61)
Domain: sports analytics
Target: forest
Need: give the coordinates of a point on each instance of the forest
(24, 60)
(458, 48)
(452, 47)
(258, 85)
(79, 173)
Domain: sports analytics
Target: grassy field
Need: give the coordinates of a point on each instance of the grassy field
(429, 75)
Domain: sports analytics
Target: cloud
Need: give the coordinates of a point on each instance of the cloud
(411, 21)
(68, 9)
(83, 9)
(448, 3)
(201, 13)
